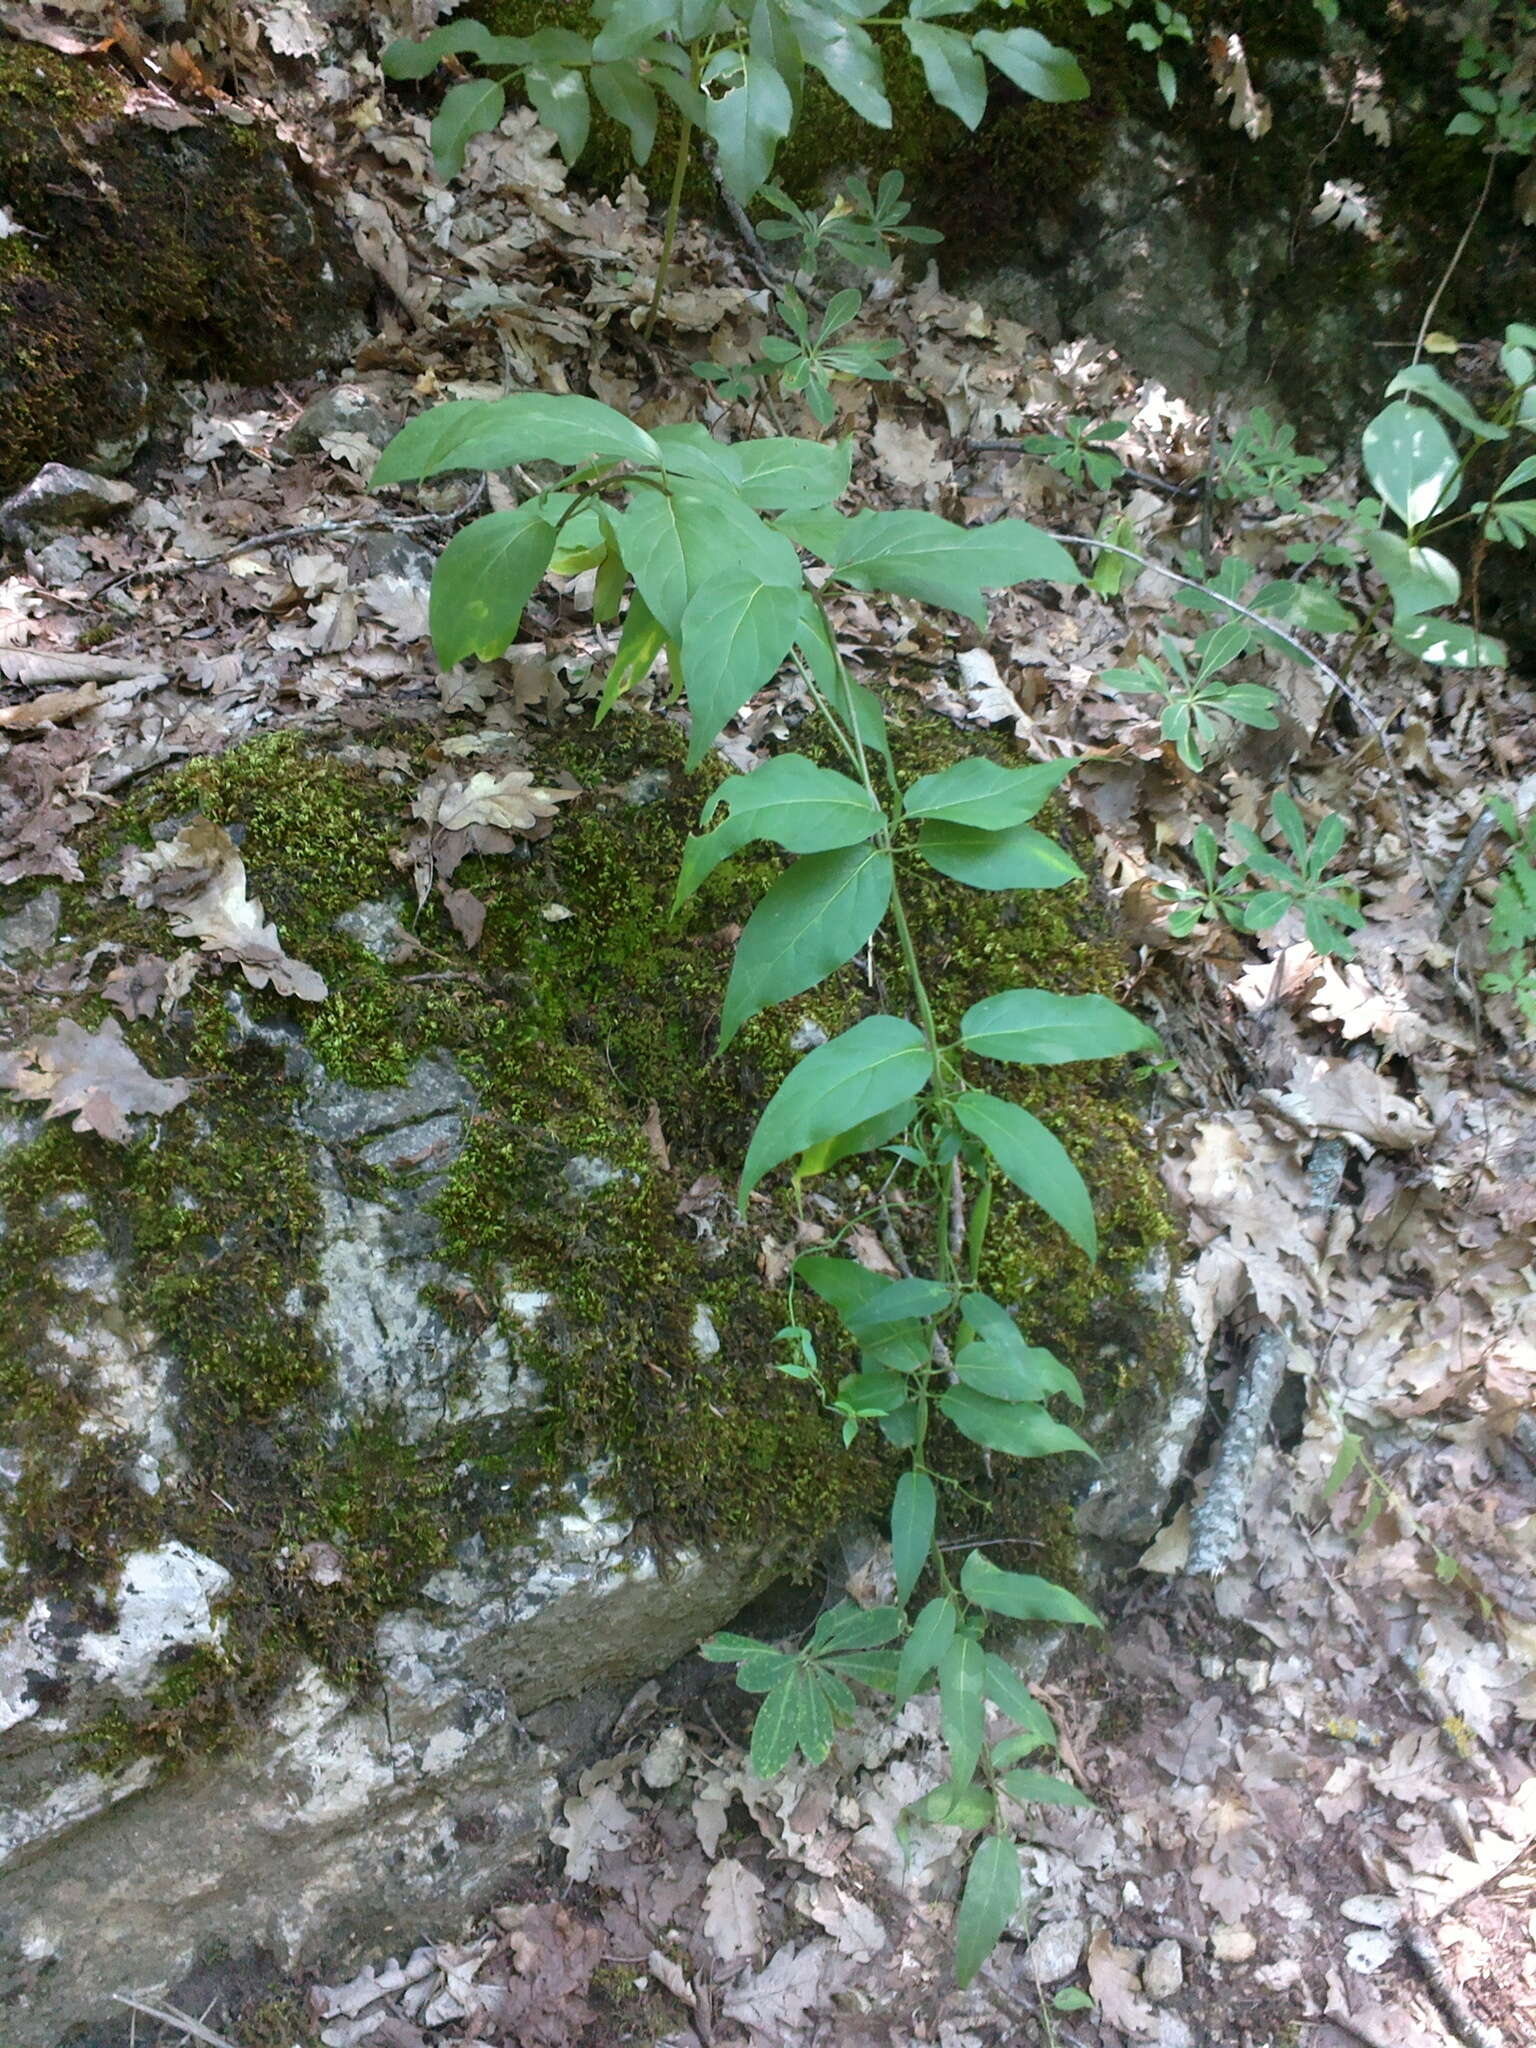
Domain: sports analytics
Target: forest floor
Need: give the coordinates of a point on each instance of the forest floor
(1313, 1822)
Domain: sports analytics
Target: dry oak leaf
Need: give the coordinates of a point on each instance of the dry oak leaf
(95, 1074)
(198, 880)
(507, 800)
(733, 1920)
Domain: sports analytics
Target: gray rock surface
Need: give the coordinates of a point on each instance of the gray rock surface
(60, 496)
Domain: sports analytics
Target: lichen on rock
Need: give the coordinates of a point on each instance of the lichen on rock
(402, 1327)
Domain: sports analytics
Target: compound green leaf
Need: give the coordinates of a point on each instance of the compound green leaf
(472, 108)
(1031, 1027)
(789, 800)
(528, 426)
(987, 1905)
(956, 76)
(1035, 1160)
(1410, 460)
(860, 1074)
(984, 794)
(1020, 1595)
(736, 631)
(483, 581)
(812, 921)
(1033, 64)
(913, 1512)
(1018, 858)
(1018, 1428)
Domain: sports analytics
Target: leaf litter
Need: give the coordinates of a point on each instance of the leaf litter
(1346, 1713)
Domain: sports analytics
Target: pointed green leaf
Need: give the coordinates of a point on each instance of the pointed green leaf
(789, 800)
(812, 921)
(912, 1522)
(851, 1627)
(1028, 1374)
(984, 794)
(454, 39)
(1020, 1595)
(932, 1633)
(559, 96)
(779, 474)
(1449, 644)
(626, 97)
(762, 1672)
(747, 125)
(725, 1648)
(679, 541)
(956, 76)
(918, 554)
(484, 579)
(962, 1704)
(847, 58)
(777, 1730)
(630, 24)
(1020, 858)
(860, 1074)
(848, 1286)
(1016, 1427)
(1033, 64)
(736, 631)
(1031, 1027)
(1420, 579)
(530, 426)
(897, 1303)
(1039, 1788)
(471, 108)
(1410, 460)
(1009, 1693)
(1035, 1160)
(814, 1713)
(868, 1136)
(1001, 1335)
(988, 1903)
(640, 642)
(955, 1806)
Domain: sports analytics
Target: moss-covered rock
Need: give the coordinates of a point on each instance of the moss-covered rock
(400, 1365)
(146, 254)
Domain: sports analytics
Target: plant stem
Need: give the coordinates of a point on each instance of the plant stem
(674, 205)
(1456, 256)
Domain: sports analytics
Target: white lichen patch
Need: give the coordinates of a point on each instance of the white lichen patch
(164, 1601)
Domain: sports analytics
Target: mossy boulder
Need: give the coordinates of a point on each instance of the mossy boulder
(147, 253)
(416, 1374)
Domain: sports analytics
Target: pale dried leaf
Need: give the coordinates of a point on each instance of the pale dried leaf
(93, 1074)
(733, 1920)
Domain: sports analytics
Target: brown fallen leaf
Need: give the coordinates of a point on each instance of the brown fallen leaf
(50, 707)
(95, 1074)
(198, 880)
(508, 801)
(655, 1138)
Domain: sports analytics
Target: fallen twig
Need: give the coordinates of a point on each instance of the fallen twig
(168, 2016)
(286, 533)
(1217, 1520)
(1454, 2009)
(1449, 893)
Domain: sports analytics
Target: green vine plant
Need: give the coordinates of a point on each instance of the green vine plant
(707, 540)
(734, 70)
(1512, 923)
(859, 228)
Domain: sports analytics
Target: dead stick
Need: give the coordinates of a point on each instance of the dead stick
(1454, 2009)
